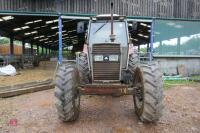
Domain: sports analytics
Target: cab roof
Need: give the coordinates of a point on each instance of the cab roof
(108, 16)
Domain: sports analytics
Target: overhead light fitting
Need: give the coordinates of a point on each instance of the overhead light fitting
(143, 24)
(27, 23)
(72, 36)
(54, 27)
(140, 34)
(27, 33)
(7, 18)
(36, 21)
(43, 39)
(44, 26)
(31, 22)
(50, 35)
(65, 34)
(130, 24)
(37, 37)
(25, 27)
(34, 32)
(62, 31)
(17, 29)
(51, 21)
(71, 31)
(36, 28)
(22, 28)
(65, 37)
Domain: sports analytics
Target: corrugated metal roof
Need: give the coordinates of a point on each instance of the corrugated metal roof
(187, 9)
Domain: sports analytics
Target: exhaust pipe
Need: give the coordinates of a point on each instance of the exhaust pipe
(111, 18)
(112, 36)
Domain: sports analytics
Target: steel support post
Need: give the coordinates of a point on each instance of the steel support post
(60, 39)
(11, 45)
(37, 50)
(46, 51)
(23, 47)
(178, 46)
(152, 39)
(31, 48)
(42, 50)
(49, 50)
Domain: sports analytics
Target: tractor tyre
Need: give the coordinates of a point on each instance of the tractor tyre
(148, 92)
(67, 93)
(83, 67)
(133, 62)
(127, 79)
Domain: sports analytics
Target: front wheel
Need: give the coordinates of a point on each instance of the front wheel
(148, 94)
(67, 94)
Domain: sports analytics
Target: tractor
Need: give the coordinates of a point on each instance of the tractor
(108, 66)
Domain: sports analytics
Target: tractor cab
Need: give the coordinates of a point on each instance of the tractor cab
(108, 47)
(100, 30)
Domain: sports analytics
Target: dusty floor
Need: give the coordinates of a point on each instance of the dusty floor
(29, 75)
(35, 113)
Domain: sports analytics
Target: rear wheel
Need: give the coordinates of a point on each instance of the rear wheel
(67, 94)
(133, 62)
(148, 92)
(83, 68)
(127, 75)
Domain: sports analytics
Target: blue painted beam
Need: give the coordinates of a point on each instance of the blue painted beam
(152, 39)
(60, 40)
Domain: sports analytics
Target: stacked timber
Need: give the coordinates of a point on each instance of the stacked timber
(5, 50)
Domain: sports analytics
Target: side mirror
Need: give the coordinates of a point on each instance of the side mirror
(132, 26)
(81, 27)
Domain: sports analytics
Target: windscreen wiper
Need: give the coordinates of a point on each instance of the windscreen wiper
(101, 27)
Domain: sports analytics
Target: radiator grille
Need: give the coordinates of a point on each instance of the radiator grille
(106, 70)
(106, 49)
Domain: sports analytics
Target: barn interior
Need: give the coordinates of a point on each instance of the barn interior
(38, 37)
(32, 45)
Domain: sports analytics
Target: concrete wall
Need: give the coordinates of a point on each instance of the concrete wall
(171, 65)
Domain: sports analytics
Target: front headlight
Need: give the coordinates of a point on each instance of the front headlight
(98, 58)
(113, 57)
